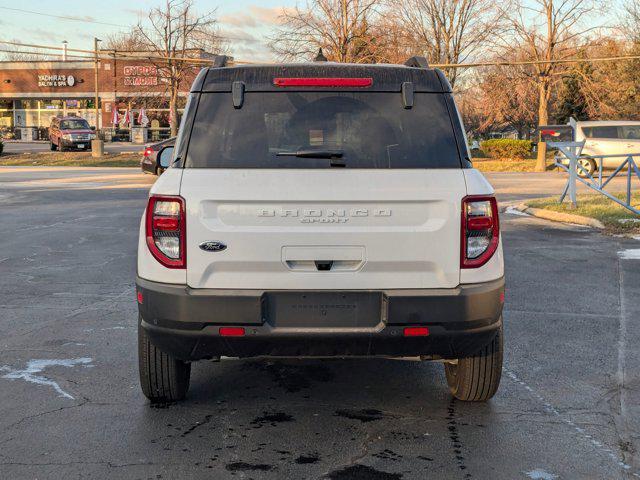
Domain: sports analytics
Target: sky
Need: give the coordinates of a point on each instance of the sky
(247, 21)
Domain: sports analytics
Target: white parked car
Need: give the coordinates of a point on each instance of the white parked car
(607, 138)
(320, 210)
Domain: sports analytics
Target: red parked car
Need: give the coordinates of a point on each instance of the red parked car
(66, 133)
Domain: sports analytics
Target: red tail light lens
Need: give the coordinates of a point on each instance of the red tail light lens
(416, 331)
(323, 82)
(231, 331)
(166, 230)
(480, 230)
(147, 152)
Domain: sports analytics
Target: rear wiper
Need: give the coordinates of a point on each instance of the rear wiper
(312, 154)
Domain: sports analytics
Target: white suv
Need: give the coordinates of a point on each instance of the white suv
(620, 137)
(324, 210)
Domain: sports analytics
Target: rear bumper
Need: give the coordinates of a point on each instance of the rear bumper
(75, 144)
(185, 323)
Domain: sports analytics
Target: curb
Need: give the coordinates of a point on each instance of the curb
(559, 216)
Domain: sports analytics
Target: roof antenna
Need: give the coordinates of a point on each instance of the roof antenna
(320, 57)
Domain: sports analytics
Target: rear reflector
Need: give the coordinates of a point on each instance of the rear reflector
(323, 82)
(231, 331)
(140, 299)
(479, 223)
(416, 331)
(166, 223)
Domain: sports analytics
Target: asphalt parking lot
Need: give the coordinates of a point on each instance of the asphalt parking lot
(70, 406)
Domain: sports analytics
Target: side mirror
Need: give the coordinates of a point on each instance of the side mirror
(165, 156)
(92, 127)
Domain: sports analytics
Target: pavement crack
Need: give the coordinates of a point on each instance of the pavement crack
(197, 425)
(41, 414)
(364, 451)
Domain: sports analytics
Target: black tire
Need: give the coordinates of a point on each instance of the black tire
(476, 379)
(588, 163)
(52, 146)
(162, 378)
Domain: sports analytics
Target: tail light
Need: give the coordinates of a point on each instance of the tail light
(480, 230)
(147, 152)
(166, 230)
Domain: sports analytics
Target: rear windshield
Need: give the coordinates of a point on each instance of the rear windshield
(359, 129)
(74, 125)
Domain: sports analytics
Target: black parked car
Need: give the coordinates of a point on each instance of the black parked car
(149, 162)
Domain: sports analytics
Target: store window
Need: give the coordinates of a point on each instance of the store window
(39, 113)
(6, 118)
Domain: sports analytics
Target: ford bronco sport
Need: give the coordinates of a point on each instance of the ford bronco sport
(320, 210)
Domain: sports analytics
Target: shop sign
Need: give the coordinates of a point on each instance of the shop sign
(140, 75)
(55, 80)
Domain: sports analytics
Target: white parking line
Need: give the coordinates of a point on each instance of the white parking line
(581, 432)
(629, 254)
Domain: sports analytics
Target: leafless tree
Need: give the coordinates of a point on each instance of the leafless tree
(174, 32)
(125, 42)
(509, 98)
(342, 28)
(631, 20)
(16, 53)
(449, 31)
(548, 30)
(610, 89)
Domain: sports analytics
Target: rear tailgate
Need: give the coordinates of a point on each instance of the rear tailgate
(333, 229)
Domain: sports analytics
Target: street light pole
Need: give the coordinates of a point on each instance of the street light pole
(97, 147)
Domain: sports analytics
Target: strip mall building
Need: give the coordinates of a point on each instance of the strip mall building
(31, 93)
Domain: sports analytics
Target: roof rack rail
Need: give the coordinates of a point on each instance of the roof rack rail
(220, 61)
(417, 62)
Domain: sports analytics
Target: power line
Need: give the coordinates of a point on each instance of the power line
(41, 54)
(111, 54)
(64, 17)
(83, 20)
(535, 62)
(114, 54)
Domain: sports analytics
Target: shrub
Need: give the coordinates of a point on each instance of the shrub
(507, 148)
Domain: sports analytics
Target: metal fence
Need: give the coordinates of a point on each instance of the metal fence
(571, 152)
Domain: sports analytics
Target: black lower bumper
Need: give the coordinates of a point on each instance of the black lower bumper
(75, 144)
(185, 322)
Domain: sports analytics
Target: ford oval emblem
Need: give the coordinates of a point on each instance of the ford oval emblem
(212, 246)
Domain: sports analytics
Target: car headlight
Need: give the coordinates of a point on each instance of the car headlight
(66, 136)
(92, 136)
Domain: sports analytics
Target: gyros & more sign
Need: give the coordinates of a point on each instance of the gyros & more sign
(140, 75)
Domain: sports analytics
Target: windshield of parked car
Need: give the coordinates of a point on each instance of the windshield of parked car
(78, 124)
(284, 129)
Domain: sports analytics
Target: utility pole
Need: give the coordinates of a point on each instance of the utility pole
(97, 147)
(96, 66)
